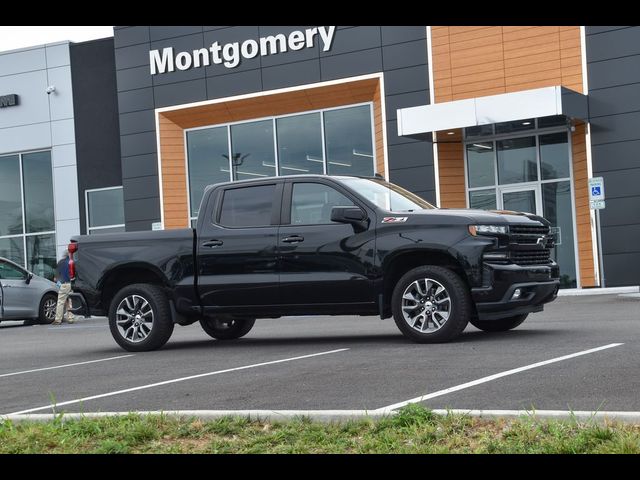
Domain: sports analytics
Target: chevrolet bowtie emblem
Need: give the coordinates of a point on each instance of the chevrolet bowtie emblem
(541, 241)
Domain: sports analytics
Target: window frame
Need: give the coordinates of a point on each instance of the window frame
(89, 229)
(274, 119)
(275, 211)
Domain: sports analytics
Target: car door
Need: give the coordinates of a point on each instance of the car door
(322, 262)
(17, 296)
(237, 247)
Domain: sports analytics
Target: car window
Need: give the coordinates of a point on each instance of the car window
(311, 203)
(10, 272)
(247, 206)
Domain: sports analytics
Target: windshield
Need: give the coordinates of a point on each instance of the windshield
(386, 195)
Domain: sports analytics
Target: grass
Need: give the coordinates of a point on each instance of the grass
(413, 430)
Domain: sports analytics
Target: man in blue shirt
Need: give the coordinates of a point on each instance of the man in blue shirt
(64, 282)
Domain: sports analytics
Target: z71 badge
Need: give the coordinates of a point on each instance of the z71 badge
(394, 219)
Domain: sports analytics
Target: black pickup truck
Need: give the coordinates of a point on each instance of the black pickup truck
(311, 245)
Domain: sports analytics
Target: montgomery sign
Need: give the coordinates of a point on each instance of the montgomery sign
(231, 54)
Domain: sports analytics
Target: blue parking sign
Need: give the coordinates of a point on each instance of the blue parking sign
(595, 191)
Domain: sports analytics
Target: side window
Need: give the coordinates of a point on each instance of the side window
(311, 203)
(9, 272)
(247, 207)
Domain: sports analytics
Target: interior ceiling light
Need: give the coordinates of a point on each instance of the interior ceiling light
(450, 133)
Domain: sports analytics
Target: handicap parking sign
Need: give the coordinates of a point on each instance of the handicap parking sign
(596, 188)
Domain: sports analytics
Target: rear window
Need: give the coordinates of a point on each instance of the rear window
(247, 206)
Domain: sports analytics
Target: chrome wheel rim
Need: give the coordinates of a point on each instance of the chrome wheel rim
(50, 309)
(134, 318)
(426, 305)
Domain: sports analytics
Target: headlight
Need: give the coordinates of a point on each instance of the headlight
(488, 230)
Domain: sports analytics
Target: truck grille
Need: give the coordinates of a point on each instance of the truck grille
(525, 247)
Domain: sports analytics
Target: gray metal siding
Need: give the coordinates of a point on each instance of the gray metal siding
(398, 51)
(613, 60)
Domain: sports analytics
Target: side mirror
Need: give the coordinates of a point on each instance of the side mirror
(353, 215)
(29, 277)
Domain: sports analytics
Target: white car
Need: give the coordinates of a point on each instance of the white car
(24, 295)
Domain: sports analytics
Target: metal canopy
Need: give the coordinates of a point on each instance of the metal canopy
(540, 102)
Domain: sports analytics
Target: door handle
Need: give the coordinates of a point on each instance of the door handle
(212, 243)
(293, 239)
(6, 286)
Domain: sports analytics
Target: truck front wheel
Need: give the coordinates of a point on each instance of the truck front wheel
(501, 325)
(224, 328)
(431, 304)
(140, 318)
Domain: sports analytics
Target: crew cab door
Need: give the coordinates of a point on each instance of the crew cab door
(322, 262)
(237, 247)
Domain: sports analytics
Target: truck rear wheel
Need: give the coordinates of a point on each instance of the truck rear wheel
(227, 328)
(501, 325)
(140, 318)
(431, 304)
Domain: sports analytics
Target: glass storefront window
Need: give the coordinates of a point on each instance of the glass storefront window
(556, 199)
(480, 158)
(338, 141)
(10, 196)
(208, 152)
(553, 121)
(300, 144)
(479, 131)
(483, 199)
(13, 249)
(516, 126)
(105, 209)
(41, 255)
(26, 186)
(517, 160)
(349, 142)
(554, 156)
(252, 150)
(38, 192)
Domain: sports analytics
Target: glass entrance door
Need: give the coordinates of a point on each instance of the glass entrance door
(521, 199)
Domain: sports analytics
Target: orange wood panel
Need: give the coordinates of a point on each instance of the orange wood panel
(583, 217)
(451, 174)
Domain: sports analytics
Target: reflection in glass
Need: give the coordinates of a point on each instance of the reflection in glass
(478, 131)
(41, 255)
(556, 199)
(252, 150)
(517, 160)
(349, 142)
(480, 164)
(523, 201)
(100, 231)
(553, 121)
(483, 199)
(516, 126)
(311, 203)
(554, 156)
(38, 192)
(12, 249)
(10, 202)
(300, 144)
(208, 152)
(106, 207)
(247, 207)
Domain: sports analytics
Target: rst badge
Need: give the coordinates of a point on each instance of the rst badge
(394, 219)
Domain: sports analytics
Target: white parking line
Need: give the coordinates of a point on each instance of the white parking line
(175, 380)
(439, 393)
(64, 366)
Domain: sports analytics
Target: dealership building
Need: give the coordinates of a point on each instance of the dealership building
(124, 133)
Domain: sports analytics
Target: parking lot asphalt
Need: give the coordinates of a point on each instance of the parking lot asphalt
(331, 363)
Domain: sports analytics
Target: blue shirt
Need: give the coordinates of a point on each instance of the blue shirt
(62, 271)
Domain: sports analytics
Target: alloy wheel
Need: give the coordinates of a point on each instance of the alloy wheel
(426, 305)
(134, 318)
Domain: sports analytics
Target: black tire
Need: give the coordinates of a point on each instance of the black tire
(227, 328)
(501, 325)
(44, 312)
(161, 326)
(460, 308)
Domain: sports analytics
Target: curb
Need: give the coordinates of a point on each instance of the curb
(338, 416)
(575, 292)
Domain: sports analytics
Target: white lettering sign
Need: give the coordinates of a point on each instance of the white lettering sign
(231, 54)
